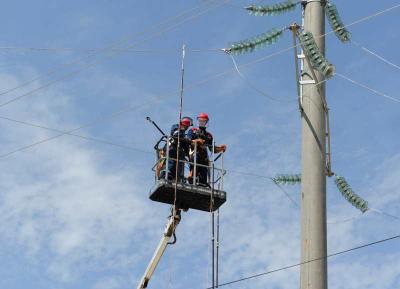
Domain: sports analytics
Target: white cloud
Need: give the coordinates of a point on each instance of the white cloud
(108, 283)
(64, 200)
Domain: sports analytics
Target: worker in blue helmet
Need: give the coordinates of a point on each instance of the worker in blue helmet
(177, 157)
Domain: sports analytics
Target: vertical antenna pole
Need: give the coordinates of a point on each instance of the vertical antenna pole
(217, 257)
(212, 215)
(179, 127)
(220, 187)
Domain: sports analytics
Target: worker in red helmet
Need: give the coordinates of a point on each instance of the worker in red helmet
(188, 120)
(204, 141)
(178, 133)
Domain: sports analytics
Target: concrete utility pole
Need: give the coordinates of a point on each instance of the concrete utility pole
(313, 185)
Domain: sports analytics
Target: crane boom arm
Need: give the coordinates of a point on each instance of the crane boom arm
(168, 232)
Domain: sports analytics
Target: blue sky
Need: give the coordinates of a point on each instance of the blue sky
(75, 213)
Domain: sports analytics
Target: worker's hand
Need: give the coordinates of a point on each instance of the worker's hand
(222, 148)
(199, 141)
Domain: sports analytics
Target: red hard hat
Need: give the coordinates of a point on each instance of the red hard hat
(202, 115)
(189, 119)
(185, 122)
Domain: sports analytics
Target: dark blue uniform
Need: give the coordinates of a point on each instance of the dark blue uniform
(184, 145)
(174, 128)
(202, 152)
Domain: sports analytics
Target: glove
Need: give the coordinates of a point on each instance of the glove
(222, 148)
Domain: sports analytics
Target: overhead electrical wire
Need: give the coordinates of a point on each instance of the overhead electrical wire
(72, 131)
(362, 47)
(286, 193)
(297, 204)
(76, 135)
(308, 261)
(112, 46)
(148, 152)
(123, 146)
(385, 214)
(190, 85)
(92, 50)
(368, 88)
(96, 62)
(252, 86)
(341, 221)
(250, 63)
(370, 17)
(140, 150)
(363, 19)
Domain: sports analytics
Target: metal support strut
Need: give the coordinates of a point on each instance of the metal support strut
(169, 231)
(315, 81)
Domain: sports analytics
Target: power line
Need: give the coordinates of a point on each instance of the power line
(97, 140)
(375, 54)
(370, 16)
(76, 135)
(71, 131)
(93, 50)
(190, 86)
(366, 18)
(148, 152)
(334, 222)
(298, 206)
(368, 88)
(249, 63)
(309, 261)
(385, 214)
(120, 42)
(93, 63)
(117, 145)
(286, 194)
(269, 178)
(252, 86)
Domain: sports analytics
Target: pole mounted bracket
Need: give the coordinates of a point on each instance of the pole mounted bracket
(305, 2)
(294, 27)
(311, 81)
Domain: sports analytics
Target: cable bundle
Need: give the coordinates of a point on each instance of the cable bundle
(350, 195)
(259, 41)
(312, 51)
(287, 179)
(336, 23)
(271, 10)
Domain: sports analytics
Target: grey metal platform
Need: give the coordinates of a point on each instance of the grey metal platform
(188, 196)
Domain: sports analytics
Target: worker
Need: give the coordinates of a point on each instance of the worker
(160, 168)
(174, 127)
(173, 154)
(204, 140)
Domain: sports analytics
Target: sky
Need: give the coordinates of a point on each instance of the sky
(74, 210)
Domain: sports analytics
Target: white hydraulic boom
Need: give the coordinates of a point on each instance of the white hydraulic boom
(168, 233)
